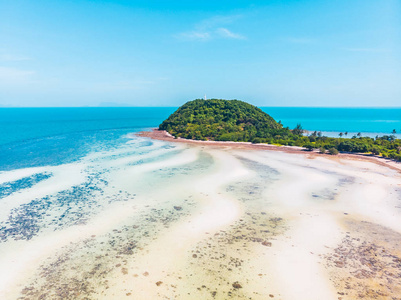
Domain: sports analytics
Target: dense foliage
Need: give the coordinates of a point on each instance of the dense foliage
(386, 146)
(222, 120)
(234, 120)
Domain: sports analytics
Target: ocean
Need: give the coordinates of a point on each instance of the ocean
(332, 121)
(48, 136)
(34, 137)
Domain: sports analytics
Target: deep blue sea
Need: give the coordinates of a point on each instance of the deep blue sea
(50, 136)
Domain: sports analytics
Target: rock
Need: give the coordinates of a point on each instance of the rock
(194, 255)
(159, 283)
(339, 264)
(267, 244)
(146, 274)
(271, 295)
(236, 285)
(177, 207)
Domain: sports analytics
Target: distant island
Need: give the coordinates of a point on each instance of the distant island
(238, 121)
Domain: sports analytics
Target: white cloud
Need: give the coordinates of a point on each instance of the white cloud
(194, 36)
(13, 57)
(225, 33)
(13, 74)
(216, 21)
(210, 29)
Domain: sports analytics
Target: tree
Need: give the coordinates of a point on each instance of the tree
(333, 151)
(375, 151)
(298, 130)
(309, 147)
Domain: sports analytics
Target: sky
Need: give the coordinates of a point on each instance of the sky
(163, 53)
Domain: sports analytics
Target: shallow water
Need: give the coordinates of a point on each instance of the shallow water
(145, 219)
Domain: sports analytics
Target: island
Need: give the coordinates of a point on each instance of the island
(223, 120)
(238, 121)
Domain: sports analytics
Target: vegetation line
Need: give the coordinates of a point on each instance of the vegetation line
(238, 121)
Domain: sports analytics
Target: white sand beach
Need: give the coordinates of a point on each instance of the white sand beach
(198, 221)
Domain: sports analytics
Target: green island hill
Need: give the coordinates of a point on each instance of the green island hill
(238, 121)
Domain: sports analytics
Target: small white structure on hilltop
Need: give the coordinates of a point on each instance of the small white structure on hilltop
(205, 97)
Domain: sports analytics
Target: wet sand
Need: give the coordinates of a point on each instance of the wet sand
(167, 220)
(163, 135)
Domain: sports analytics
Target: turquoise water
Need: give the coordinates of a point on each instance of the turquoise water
(33, 137)
(51, 136)
(331, 121)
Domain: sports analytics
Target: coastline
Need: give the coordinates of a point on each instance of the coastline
(180, 219)
(334, 247)
(163, 135)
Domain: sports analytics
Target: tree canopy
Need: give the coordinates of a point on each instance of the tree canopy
(222, 120)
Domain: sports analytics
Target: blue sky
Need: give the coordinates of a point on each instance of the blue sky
(164, 53)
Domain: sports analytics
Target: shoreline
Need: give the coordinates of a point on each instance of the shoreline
(189, 221)
(163, 135)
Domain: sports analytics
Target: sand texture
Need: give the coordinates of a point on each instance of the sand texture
(161, 219)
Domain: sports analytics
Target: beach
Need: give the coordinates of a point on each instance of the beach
(200, 150)
(166, 218)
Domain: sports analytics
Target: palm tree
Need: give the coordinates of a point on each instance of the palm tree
(346, 133)
(359, 134)
(341, 134)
